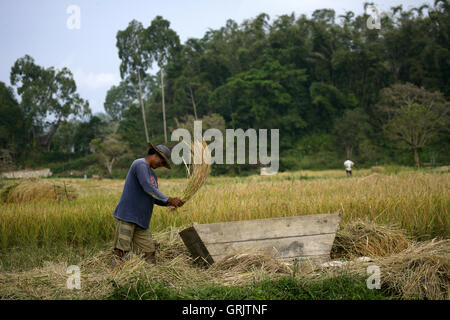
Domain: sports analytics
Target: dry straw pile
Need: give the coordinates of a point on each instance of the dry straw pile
(366, 239)
(419, 271)
(175, 268)
(409, 269)
(34, 189)
(422, 271)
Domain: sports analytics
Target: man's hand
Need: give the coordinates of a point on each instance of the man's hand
(175, 202)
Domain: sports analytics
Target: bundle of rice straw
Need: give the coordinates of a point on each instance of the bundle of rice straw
(197, 173)
(420, 272)
(34, 189)
(365, 238)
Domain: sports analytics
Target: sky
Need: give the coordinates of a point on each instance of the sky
(44, 29)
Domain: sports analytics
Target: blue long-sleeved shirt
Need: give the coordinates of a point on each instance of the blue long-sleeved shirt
(140, 193)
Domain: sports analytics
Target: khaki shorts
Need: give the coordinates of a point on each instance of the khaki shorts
(130, 237)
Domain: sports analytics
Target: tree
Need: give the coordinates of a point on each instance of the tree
(135, 59)
(412, 115)
(64, 139)
(109, 150)
(209, 121)
(120, 97)
(129, 128)
(414, 125)
(266, 97)
(85, 132)
(6, 160)
(12, 122)
(351, 129)
(48, 97)
(161, 43)
(330, 102)
(190, 90)
(249, 73)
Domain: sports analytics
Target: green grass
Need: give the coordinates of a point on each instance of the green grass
(283, 288)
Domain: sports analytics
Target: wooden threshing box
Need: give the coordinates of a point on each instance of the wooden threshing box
(302, 237)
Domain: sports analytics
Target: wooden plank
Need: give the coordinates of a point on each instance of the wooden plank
(302, 246)
(189, 236)
(195, 245)
(303, 237)
(274, 228)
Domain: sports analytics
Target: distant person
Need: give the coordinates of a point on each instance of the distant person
(134, 211)
(348, 167)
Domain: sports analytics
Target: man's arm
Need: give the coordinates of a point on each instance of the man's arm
(144, 180)
(160, 198)
(174, 202)
(160, 203)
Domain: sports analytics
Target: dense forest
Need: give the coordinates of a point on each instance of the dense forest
(334, 87)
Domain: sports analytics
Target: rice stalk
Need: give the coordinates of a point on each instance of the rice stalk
(200, 171)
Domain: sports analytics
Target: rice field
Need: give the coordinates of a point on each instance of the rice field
(414, 201)
(418, 202)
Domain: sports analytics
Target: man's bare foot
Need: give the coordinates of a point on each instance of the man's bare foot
(150, 258)
(117, 258)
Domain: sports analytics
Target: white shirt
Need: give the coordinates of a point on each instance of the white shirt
(348, 164)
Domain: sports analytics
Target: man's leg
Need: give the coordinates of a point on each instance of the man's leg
(122, 240)
(143, 243)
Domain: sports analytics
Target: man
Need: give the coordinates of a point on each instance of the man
(134, 211)
(348, 167)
